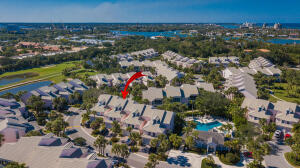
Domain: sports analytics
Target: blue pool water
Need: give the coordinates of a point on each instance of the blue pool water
(206, 127)
(28, 87)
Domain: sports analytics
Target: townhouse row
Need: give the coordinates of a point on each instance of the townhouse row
(48, 93)
(284, 114)
(150, 122)
(120, 78)
(179, 60)
(241, 79)
(225, 61)
(146, 54)
(160, 67)
(12, 114)
(51, 151)
(264, 66)
(183, 94)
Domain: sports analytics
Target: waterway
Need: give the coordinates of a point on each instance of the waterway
(150, 34)
(28, 87)
(16, 78)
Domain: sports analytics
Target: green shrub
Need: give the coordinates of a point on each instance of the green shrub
(206, 163)
(134, 149)
(77, 105)
(291, 158)
(229, 158)
(33, 133)
(79, 141)
(114, 139)
(96, 132)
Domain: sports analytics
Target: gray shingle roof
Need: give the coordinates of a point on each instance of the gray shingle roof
(172, 91)
(27, 151)
(152, 93)
(189, 90)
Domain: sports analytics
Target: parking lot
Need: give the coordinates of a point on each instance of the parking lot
(182, 159)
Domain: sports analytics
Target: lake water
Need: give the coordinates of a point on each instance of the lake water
(283, 41)
(150, 34)
(229, 26)
(16, 78)
(6, 81)
(28, 87)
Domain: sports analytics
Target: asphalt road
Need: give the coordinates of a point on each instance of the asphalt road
(276, 158)
(134, 160)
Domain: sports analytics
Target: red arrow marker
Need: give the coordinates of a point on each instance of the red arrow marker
(132, 78)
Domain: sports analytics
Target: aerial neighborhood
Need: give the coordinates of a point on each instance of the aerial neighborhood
(204, 97)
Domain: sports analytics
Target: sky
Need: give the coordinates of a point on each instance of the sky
(151, 11)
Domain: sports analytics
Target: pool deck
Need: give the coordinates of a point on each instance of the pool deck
(207, 120)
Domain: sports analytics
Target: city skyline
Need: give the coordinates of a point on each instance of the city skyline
(149, 11)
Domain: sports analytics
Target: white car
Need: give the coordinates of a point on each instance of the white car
(278, 133)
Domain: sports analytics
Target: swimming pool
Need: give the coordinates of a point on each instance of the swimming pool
(208, 126)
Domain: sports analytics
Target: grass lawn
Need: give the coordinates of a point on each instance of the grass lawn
(52, 71)
(292, 162)
(273, 99)
(282, 94)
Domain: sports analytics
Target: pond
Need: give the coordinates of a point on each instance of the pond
(28, 87)
(16, 78)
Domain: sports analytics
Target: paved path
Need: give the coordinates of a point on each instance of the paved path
(184, 159)
(276, 158)
(135, 160)
(275, 96)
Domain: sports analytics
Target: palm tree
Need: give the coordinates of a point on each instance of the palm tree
(135, 137)
(175, 140)
(263, 123)
(152, 161)
(116, 128)
(189, 142)
(195, 135)
(116, 149)
(154, 142)
(85, 117)
(64, 125)
(227, 127)
(187, 130)
(129, 129)
(121, 150)
(94, 113)
(124, 151)
(100, 143)
(296, 128)
(1, 139)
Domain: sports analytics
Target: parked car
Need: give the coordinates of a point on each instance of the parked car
(32, 118)
(248, 154)
(278, 133)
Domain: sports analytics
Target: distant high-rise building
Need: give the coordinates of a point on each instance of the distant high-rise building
(264, 26)
(247, 25)
(277, 26)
